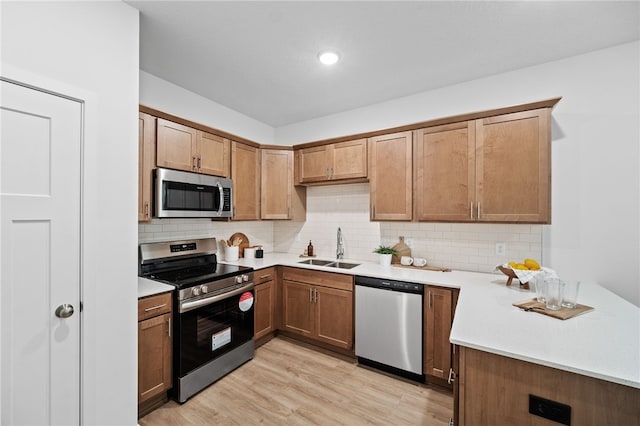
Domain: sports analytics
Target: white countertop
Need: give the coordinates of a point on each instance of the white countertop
(148, 287)
(603, 343)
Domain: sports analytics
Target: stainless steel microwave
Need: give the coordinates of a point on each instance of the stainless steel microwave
(185, 194)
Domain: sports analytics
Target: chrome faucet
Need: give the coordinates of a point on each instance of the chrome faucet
(340, 245)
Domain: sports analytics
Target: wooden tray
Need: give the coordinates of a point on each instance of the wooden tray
(424, 268)
(564, 313)
(244, 244)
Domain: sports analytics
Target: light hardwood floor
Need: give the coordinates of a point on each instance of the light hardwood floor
(287, 383)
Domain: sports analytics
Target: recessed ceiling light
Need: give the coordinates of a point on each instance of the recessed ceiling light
(328, 57)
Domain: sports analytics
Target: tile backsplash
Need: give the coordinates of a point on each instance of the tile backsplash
(259, 233)
(464, 246)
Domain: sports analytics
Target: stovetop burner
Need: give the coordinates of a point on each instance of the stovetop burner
(186, 263)
(197, 275)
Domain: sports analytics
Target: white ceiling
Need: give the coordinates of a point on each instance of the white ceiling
(259, 58)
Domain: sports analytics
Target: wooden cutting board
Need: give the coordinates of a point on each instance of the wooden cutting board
(564, 313)
(424, 268)
(244, 244)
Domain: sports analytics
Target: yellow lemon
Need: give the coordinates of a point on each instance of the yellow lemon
(532, 264)
(521, 266)
(513, 264)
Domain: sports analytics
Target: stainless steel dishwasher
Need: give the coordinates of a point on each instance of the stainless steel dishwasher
(389, 325)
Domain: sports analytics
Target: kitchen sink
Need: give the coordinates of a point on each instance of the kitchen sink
(317, 262)
(342, 265)
(329, 263)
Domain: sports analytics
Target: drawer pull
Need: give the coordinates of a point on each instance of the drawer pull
(265, 276)
(153, 308)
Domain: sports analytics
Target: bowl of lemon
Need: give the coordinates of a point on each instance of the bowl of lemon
(522, 271)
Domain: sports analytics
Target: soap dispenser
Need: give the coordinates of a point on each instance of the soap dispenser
(310, 249)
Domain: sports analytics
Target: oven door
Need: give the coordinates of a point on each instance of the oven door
(210, 330)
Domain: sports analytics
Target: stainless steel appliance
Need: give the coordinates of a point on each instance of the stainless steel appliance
(213, 311)
(185, 194)
(389, 325)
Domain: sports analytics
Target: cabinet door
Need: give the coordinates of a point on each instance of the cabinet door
(213, 154)
(314, 164)
(390, 176)
(334, 316)
(264, 309)
(277, 184)
(438, 308)
(513, 167)
(154, 356)
(445, 172)
(176, 146)
(298, 315)
(349, 160)
(245, 172)
(146, 164)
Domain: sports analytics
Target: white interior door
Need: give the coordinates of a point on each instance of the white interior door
(40, 188)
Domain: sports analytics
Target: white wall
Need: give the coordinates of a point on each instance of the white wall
(595, 175)
(167, 97)
(92, 47)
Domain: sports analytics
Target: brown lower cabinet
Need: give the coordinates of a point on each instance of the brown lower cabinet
(318, 306)
(154, 351)
(265, 303)
(496, 390)
(439, 306)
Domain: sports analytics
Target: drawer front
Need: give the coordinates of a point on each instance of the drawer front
(324, 279)
(263, 275)
(154, 305)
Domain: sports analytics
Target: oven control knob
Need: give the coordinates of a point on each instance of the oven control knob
(195, 291)
(245, 277)
(204, 289)
(239, 279)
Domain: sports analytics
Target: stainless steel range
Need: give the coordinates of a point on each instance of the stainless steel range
(213, 311)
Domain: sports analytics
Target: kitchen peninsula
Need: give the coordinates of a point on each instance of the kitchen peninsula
(595, 352)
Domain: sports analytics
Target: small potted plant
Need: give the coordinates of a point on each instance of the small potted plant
(385, 253)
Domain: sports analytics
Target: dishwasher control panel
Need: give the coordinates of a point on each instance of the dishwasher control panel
(401, 286)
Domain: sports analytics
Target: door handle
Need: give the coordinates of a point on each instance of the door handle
(64, 311)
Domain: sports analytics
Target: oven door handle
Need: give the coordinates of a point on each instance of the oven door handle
(189, 306)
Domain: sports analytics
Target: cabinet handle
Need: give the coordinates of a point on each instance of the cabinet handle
(199, 163)
(471, 209)
(310, 295)
(169, 326)
(153, 308)
(265, 276)
(452, 376)
(430, 300)
(450, 421)
(194, 165)
(315, 295)
(330, 172)
(478, 210)
(146, 209)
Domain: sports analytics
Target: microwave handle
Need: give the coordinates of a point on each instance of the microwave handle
(221, 192)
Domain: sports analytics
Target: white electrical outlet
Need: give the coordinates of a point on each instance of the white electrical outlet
(501, 249)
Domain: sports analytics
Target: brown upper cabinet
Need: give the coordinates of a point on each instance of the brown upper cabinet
(146, 164)
(184, 148)
(333, 163)
(493, 169)
(279, 199)
(245, 172)
(390, 176)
